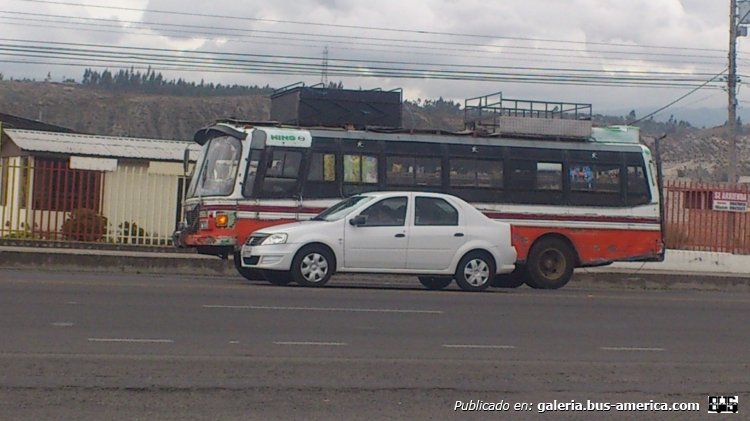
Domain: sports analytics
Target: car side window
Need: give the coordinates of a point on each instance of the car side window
(434, 211)
(389, 212)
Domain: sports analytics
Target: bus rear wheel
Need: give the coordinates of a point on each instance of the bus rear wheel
(550, 264)
(435, 282)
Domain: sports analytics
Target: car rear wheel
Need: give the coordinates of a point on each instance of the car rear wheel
(435, 282)
(312, 266)
(550, 264)
(475, 271)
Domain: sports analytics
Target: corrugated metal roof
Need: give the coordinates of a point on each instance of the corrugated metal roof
(108, 146)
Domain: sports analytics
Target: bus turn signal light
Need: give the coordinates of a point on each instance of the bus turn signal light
(222, 220)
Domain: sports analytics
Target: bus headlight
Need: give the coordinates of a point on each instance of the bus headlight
(279, 238)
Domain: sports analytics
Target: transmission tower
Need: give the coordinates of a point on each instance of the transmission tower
(324, 71)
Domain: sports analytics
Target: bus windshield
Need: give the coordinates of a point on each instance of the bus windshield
(218, 168)
(341, 209)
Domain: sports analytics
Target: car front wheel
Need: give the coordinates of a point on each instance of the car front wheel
(475, 271)
(312, 266)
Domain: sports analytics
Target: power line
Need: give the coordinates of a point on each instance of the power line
(88, 49)
(403, 43)
(362, 27)
(678, 99)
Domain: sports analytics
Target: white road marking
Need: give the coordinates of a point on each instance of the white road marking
(628, 348)
(234, 342)
(312, 343)
(479, 346)
(71, 303)
(352, 310)
(132, 340)
(62, 324)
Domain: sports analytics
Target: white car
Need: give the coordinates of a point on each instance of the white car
(436, 236)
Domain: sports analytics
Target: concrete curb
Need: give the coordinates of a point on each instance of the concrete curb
(114, 261)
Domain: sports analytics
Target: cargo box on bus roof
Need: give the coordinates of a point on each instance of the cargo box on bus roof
(310, 106)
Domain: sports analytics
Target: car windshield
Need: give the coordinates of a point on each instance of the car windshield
(341, 209)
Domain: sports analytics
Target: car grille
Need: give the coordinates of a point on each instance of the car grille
(256, 239)
(251, 261)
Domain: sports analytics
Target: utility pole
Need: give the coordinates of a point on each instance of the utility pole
(732, 90)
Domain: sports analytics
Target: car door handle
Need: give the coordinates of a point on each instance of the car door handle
(400, 235)
(458, 234)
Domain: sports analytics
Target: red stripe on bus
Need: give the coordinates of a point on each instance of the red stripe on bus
(493, 215)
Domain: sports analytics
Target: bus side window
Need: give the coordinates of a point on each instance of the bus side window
(321, 177)
(282, 174)
(595, 184)
(638, 193)
(252, 171)
(413, 171)
(360, 173)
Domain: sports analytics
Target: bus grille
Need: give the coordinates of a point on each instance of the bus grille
(191, 217)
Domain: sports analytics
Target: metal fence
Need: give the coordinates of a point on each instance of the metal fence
(45, 199)
(707, 217)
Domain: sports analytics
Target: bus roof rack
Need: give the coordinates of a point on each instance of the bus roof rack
(493, 115)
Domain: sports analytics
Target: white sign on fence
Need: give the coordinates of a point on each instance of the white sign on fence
(730, 201)
(93, 164)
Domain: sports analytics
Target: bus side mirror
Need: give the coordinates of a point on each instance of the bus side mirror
(358, 220)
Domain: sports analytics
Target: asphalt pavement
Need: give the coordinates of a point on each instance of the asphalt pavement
(78, 345)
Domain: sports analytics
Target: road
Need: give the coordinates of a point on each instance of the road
(120, 346)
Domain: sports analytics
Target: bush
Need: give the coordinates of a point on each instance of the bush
(84, 225)
(131, 233)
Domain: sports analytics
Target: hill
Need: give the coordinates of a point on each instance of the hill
(687, 151)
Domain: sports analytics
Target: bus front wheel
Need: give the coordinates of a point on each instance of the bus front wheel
(550, 264)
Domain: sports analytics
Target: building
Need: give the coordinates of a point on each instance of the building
(75, 187)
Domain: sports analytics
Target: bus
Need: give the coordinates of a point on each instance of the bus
(571, 203)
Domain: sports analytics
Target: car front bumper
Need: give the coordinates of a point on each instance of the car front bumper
(268, 257)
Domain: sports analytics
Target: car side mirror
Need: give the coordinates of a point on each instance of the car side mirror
(358, 220)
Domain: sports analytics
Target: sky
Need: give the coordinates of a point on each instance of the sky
(616, 55)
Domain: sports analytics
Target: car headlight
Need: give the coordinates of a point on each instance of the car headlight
(279, 238)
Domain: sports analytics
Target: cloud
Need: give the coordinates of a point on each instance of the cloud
(493, 38)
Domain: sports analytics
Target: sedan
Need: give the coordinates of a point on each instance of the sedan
(437, 237)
